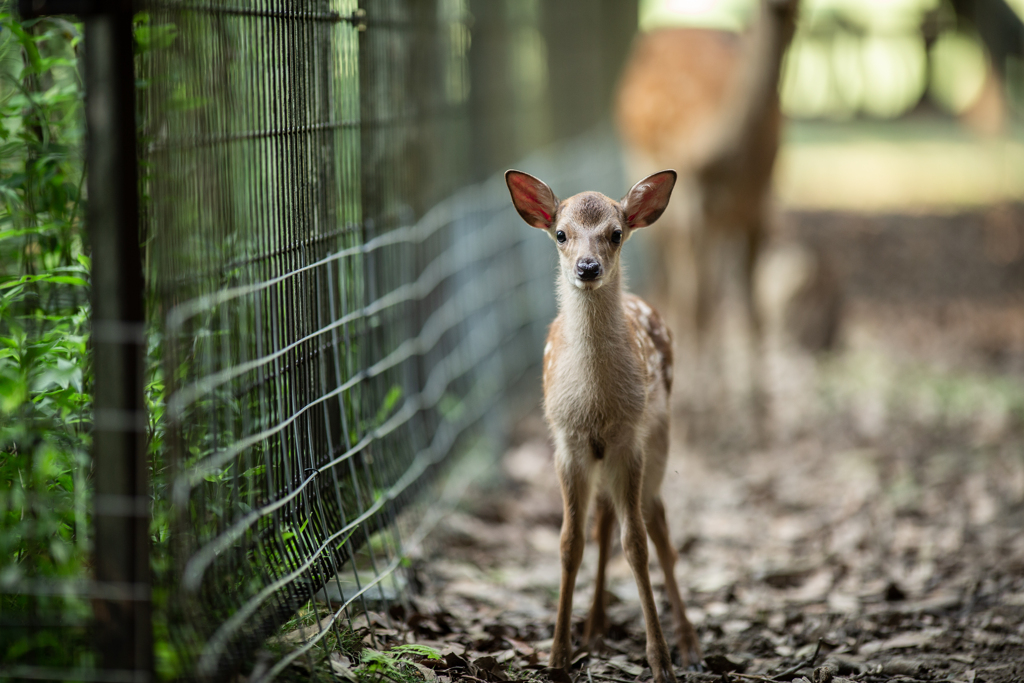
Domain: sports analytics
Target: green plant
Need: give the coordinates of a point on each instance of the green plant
(416, 649)
(348, 642)
(377, 665)
(45, 379)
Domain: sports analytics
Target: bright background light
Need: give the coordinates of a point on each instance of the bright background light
(854, 57)
(855, 72)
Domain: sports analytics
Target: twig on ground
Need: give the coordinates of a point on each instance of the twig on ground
(753, 677)
(793, 669)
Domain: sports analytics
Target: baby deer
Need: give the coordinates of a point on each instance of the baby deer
(607, 382)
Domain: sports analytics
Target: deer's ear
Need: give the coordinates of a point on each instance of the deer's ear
(645, 203)
(533, 199)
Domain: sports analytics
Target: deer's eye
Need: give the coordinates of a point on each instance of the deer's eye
(617, 237)
(560, 236)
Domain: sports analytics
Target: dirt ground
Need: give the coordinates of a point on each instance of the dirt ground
(877, 537)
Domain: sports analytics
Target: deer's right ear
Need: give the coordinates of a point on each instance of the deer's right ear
(533, 199)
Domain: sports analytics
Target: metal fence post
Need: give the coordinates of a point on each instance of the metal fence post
(121, 502)
(123, 628)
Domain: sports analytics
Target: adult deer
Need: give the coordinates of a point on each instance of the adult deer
(607, 382)
(706, 103)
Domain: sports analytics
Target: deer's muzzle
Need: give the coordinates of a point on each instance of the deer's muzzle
(588, 269)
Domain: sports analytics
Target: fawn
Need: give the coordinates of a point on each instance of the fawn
(607, 382)
(706, 103)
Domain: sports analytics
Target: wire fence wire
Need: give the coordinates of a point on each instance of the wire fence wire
(329, 340)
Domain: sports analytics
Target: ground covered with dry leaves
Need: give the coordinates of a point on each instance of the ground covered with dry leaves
(876, 537)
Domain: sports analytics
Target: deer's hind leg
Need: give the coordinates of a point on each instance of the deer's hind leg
(657, 529)
(627, 488)
(759, 395)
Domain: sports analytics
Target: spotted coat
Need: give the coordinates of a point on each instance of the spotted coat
(652, 338)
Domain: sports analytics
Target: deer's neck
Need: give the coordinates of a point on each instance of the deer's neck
(593, 321)
(771, 38)
(756, 97)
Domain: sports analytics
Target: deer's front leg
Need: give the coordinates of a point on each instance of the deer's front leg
(573, 475)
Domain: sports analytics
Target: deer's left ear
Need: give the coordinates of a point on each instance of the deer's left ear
(645, 203)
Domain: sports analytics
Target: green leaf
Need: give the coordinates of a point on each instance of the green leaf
(34, 230)
(13, 393)
(28, 44)
(62, 373)
(392, 398)
(56, 279)
(415, 649)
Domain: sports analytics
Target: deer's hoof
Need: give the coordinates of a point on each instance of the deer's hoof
(593, 633)
(560, 658)
(661, 666)
(689, 648)
(668, 675)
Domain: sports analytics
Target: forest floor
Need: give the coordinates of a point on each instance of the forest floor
(877, 537)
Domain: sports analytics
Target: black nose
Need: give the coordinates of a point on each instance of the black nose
(588, 269)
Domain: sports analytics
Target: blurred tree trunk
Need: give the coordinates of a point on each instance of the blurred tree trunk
(491, 92)
(542, 71)
(587, 46)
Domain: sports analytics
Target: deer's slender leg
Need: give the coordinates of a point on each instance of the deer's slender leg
(756, 348)
(628, 489)
(657, 527)
(573, 476)
(604, 520)
(706, 260)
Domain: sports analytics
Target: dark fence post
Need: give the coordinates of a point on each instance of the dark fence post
(123, 629)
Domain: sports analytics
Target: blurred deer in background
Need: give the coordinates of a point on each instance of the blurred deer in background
(706, 103)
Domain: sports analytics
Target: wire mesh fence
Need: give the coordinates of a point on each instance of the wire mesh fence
(337, 311)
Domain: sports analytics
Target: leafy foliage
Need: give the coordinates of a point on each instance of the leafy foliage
(380, 665)
(416, 649)
(45, 394)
